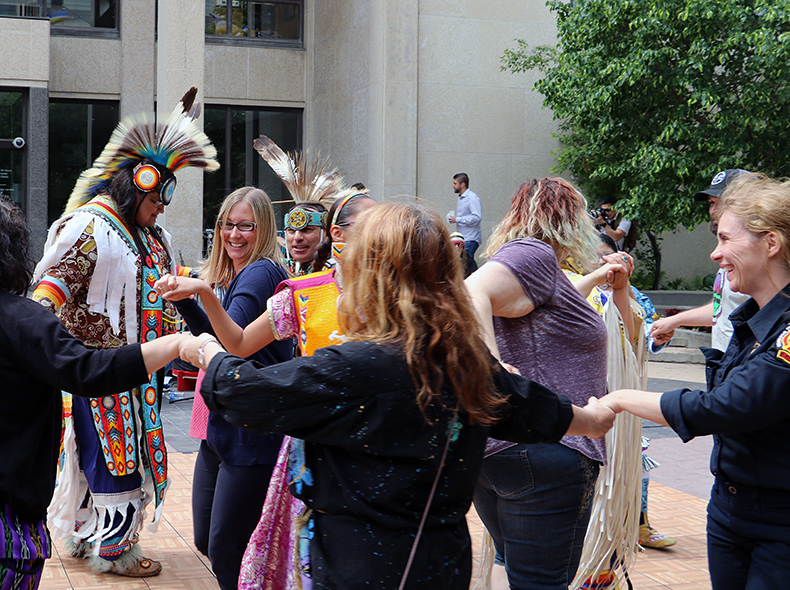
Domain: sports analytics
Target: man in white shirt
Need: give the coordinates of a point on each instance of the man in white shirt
(468, 214)
(613, 225)
(725, 300)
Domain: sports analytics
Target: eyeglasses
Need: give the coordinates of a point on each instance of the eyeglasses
(157, 202)
(241, 226)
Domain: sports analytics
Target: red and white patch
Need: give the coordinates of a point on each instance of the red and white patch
(783, 343)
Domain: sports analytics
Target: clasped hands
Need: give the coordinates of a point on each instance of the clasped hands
(618, 268)
(177, 288)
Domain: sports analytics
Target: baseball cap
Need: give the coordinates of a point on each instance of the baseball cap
(719, 183)
(457, 237)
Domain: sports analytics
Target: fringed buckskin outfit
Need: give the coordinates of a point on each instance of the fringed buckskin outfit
(98, 272)
(95, 277)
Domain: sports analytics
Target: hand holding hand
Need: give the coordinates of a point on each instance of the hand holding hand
(187, 348)
(662, 337)
(178, 288)
(621, 270)
(599, 417)
(610, 401)
(604, 274)
(199, 350)
(663, 327)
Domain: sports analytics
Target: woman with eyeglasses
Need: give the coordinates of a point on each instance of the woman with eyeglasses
(233, 467)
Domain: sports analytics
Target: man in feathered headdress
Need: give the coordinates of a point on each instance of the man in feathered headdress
(100, 263)
(313, 187)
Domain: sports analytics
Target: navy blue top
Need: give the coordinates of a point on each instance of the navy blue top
(747, 405)
(245, 300)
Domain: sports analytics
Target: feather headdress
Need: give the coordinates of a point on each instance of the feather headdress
(174, 144)
(307, 181)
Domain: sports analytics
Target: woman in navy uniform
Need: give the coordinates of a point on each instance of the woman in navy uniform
(747, 405)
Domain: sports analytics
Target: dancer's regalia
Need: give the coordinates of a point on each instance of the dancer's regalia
(97, 274)
(303, 308)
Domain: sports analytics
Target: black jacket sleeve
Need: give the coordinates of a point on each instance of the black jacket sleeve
(533, 412)
(40, 346)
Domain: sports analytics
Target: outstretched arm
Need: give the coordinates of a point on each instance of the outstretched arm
(645, 404)
(238, 341)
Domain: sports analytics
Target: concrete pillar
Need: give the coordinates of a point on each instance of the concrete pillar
(37, 146)
(138, 56)
(393, 67)
(364, 91)
(179, 66)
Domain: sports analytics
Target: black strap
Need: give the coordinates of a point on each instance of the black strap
(428, 503)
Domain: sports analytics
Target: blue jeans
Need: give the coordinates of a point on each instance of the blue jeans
(535, 500)
(471, 247)
(748, 538)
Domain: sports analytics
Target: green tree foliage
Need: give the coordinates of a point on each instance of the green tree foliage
(656, 96)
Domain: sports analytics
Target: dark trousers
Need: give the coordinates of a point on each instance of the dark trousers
(226, 505)
(748, 538)
(471, 247)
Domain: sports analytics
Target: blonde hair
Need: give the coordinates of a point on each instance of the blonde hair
(219, 269)
(762, 205)
(553, 211)
(403, 285)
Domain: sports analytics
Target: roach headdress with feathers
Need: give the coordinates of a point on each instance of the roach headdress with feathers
(308, 181)
(174, 144)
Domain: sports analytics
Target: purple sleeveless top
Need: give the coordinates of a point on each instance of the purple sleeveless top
(561, 343)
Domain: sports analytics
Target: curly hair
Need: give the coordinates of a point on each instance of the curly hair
(553, 211)
(15, 265)
(403, 284)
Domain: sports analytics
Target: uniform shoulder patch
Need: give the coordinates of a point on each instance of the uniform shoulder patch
(783, 345)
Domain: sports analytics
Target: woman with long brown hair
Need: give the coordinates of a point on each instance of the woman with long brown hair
(394, 421)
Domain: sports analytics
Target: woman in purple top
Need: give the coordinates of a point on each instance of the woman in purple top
(535, 499)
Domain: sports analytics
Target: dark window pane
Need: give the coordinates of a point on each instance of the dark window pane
(274, 21)
(215, 184)
(83, 13)
(77, 134)
(12, 106)
(11, 110)
(241, 164)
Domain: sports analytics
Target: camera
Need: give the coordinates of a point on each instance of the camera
(595, 213)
